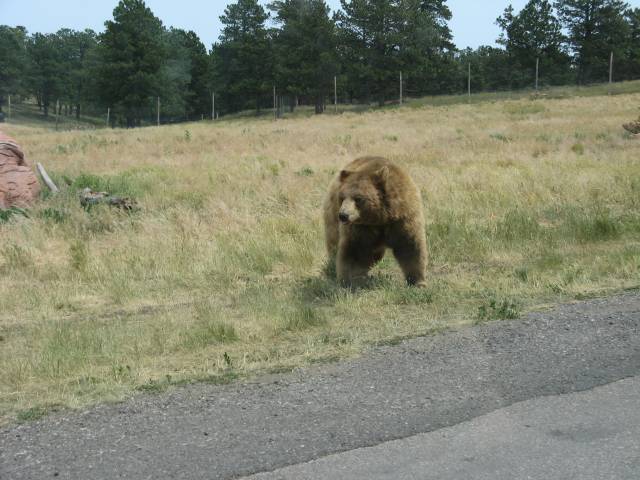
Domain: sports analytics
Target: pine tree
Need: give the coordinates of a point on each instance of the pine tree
(534, 33)
(490, 67)
(380, 38)
(175, 75)
(631, 64)
(243, 56)
(46, 77)
(199, 100)
(13, 61)
(132, 52)
(76, 50)
(369, 37)
(596, 28)
(426, 46)
(305, 48)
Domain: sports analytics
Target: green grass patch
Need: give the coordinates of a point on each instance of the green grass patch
(13, 212)
(496, 309)
(32, 414)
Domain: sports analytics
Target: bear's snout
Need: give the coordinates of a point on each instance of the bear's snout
(343, 217)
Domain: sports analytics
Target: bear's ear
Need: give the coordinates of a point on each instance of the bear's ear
(383, 174)
(344, 174)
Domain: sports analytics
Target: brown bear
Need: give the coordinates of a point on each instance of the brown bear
(373, 205)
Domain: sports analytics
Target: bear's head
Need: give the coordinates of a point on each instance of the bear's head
(362, 197)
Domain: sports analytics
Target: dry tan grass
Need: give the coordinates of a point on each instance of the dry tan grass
(220, 272)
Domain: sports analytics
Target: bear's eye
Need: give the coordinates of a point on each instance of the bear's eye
(341, 197)
(358, 200)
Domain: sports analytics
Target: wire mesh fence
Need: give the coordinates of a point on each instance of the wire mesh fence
(337, 97)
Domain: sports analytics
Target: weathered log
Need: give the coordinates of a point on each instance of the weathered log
(46, 178)
(89, 198)
(632, 127)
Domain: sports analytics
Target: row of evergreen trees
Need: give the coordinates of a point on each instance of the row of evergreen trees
(299, 47)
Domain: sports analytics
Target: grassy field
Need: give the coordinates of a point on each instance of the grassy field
(219, 274)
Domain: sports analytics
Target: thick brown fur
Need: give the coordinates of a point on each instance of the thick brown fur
(381, 208)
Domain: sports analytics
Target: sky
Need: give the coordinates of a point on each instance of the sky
(473, 21)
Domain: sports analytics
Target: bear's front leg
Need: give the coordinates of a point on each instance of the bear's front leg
(359, 249)
(351, 273)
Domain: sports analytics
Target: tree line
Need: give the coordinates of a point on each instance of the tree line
(303, 51)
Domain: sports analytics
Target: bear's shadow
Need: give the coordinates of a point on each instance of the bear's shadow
(325, 288)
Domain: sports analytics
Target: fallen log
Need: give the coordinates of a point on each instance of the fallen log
(88, 198)
(632, 127)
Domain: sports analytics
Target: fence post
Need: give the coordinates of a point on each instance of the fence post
(57, 113)
(9, 109)
(537, 71)
(400, 88)
(469, 82)
(335, 93)
(108, 115)
(158, 111)
(275, 104)
(610, 72)
(213, 106)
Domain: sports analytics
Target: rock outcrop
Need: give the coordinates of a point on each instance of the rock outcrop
(19, 186)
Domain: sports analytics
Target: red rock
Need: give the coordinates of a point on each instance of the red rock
(19, 186)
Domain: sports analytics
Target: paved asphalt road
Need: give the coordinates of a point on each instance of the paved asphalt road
(591, 435)
(398, 392)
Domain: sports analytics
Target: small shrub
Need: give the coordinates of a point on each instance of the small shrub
(578, 149)
(390, 138)
(501, 137)
(498, 310)
(305, 172)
